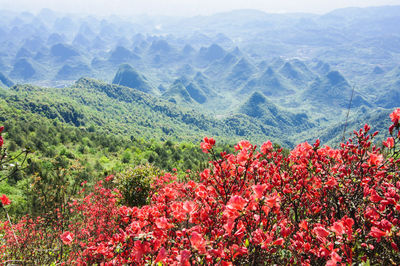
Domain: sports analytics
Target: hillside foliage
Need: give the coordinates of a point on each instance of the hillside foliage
(314, 205)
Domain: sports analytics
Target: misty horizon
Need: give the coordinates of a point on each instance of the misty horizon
(180, 8)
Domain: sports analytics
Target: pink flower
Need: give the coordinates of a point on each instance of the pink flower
(162, 254)
(184, 257)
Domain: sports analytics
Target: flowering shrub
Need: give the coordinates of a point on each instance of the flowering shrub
(318, 205)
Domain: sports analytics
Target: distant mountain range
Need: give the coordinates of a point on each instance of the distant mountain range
(246, 73)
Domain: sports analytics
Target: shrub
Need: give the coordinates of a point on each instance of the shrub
(134, 184)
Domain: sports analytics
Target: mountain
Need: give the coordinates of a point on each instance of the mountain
(270, 83)
(72, 72)
(23, 69)
(177, 93)
(240, 73)
(55, 38)
(211, 53)
(186, 69)
(196, 93)
(4, 81)
(258, 106)
(127, 76)
(188, 50)
(390, 97)
(378, 70)
(303, 64)
(333, 90)
(22, 52)
(63, 52)
(160, 46)
(122, 55)
(297, 73)
(220, 67)
(204, 83)
(81, 41)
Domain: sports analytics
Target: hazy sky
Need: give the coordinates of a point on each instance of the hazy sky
(186, 7)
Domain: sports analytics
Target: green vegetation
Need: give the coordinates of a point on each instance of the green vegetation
(64, 155)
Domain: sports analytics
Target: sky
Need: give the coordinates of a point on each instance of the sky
(185, 7)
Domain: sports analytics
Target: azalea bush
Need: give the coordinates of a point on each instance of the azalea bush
(315, 206)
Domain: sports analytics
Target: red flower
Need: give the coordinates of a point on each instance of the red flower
(389, 143)
(377, 233)
(375, 159)
(228, 226)
(5, 200)
(243, 144)
(321, 232)
(395, 116)
(189, 207)
(303, 225)
(162, 223)
(1, 141)
(338, 228)
(259, 190)
(207, 144)
(162, 254)
(273, 201)
(109, 178)
(198, 242)
(242, 157)
(335, 258)
(278, 242)
(266, 147)
(331, 181)
(375, 197)
(236, 203)
(67, 237)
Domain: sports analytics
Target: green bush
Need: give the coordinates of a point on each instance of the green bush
(134, 184)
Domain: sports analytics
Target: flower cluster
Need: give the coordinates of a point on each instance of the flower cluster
(316, 206)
